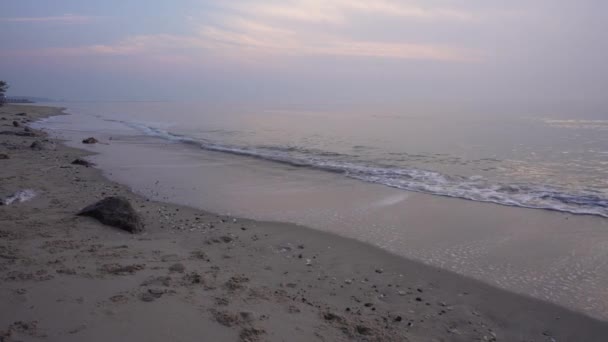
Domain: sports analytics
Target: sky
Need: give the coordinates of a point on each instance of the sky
(549, 52)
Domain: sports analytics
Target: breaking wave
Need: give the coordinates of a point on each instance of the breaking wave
(475, 188)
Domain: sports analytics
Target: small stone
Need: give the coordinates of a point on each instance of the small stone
(82, 162)
(363, 330)
(4, 156)
(147, 297)
(226, 239)
(179, 268)
(42, 145)
(16, 124)
(90, 140)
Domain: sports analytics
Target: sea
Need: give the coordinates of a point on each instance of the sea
(514, 198)
(551, 162)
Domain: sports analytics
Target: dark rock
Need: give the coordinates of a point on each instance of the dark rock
(16, 124)
(21, 114)
(26, 129)
(328, 316)
(90, 140)
(4, 156)
(363, 330)
(117, 269)
(193, 278)
(226, 239)
(116, 212)
(42, 145)
(82, 162)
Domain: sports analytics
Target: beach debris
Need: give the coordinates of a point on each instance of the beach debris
(42, 145)
(330, 316)
(157, 281)
(225, 318)
(117, 269)
(19, 134)
(82, 162)
(116, 212)
(152, 294)
(308, 262)
(251, 334)
(16, 124)
(90, 140)
(4, 156)
(236, 283)
(19, 197)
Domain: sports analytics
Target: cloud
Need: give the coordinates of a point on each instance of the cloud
(337, 11)
(64, 19)
(251, 36)
(282, 28)
(257, 39)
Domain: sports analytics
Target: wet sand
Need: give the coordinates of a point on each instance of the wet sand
(195, 275)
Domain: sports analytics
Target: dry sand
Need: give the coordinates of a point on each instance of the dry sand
(197, 276)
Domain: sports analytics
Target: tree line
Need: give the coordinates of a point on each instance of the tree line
(3, 89)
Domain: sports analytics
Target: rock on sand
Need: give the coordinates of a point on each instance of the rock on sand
(115, 212)
(90, 140)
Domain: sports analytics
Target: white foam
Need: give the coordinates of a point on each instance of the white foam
(476, 188)
(19, 196)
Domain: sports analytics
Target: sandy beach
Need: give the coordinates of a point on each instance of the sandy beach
(197, 276)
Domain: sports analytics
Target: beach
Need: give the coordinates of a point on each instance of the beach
(196, 275)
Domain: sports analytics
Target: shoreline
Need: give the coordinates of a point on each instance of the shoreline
(238, 280)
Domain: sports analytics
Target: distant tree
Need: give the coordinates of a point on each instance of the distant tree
(3, 88)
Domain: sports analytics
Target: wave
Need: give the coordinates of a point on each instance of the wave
(474, 188)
